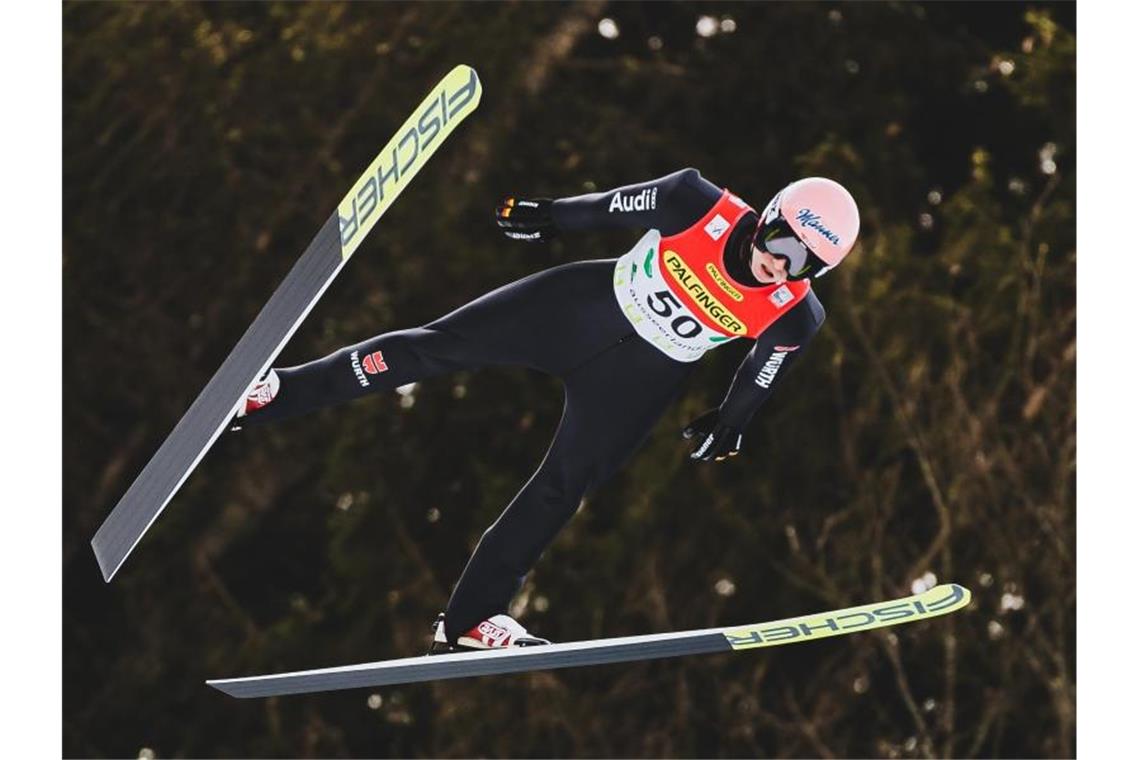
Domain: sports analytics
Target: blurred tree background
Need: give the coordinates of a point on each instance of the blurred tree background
(928, 434)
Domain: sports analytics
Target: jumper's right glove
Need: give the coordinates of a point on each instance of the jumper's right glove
(715, 439)
(526, 219)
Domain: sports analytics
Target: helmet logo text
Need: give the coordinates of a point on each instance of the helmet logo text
(813, 221)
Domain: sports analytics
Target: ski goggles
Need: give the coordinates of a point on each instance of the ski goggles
(776, 237)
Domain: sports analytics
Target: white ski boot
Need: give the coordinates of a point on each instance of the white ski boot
(496, 632)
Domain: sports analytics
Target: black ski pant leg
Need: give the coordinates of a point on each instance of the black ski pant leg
(550, 321)
(613, 402)
(381, 363)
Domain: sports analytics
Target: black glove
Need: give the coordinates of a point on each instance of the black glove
(715, 440)
(526, 219)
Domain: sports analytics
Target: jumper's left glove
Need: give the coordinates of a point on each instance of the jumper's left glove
(526, 219)
(715, 439)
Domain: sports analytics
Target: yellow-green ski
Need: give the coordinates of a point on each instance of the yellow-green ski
(940, 600)
(418, 138)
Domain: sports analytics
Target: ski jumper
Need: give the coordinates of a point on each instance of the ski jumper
(622, 335)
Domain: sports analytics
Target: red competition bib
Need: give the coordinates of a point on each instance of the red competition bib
(677, 295)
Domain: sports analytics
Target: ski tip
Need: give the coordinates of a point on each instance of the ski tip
(464, 68)
(954, 595)
(473, 81)
(944, 598)
(923, 605)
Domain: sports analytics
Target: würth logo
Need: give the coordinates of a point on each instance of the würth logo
(767, 373)
(374, 363)
(361, 378)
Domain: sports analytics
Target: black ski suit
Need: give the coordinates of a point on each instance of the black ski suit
(564, 321)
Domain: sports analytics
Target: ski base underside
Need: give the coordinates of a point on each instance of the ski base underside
(935, 602)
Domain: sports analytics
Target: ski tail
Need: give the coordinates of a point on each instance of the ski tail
(935, 602)
(449, 103)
